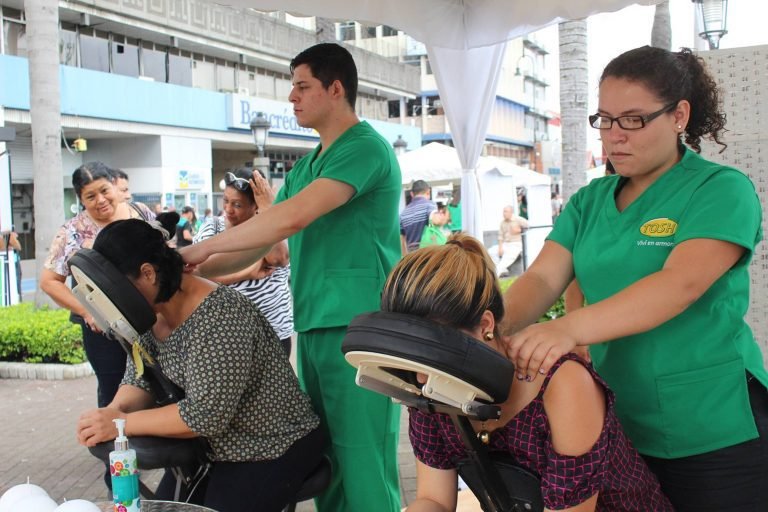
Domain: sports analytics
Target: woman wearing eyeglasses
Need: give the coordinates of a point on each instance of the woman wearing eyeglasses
(265, 283)
(661, 251)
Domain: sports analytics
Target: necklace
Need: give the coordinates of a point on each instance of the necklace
(484, 436)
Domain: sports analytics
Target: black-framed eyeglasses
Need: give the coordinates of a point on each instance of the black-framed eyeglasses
(240, 184)
(601, 122)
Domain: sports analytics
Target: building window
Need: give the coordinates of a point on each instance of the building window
(125, 59)
(67, 47)
(13, 32)
(347, 31)
(367, 32)
(180, 70)
(387, 31)
(394, 108)
(94, 53)
(153, 62)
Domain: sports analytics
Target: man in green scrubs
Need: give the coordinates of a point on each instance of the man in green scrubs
(339, 210)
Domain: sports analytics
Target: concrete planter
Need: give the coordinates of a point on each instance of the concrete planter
(44, 371)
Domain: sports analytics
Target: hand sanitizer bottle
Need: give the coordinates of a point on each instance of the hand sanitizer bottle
(125, 474)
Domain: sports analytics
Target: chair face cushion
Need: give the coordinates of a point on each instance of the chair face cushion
(433, 345)
(120, 302)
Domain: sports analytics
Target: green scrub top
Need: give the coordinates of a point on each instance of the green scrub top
(681, 387)
(455, 224)
(339, 263)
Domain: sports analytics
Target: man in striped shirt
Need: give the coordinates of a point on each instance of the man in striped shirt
(416, 216)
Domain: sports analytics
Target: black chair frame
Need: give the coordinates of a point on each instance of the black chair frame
(466, 380)
(122, 313)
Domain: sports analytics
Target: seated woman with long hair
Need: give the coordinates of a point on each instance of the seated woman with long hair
(241, 394)
(560, 426)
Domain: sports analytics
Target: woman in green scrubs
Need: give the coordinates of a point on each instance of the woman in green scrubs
(661, 251)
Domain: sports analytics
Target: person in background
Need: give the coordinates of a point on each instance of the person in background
(661, 251)
(522, 202)
(436, 233)
(185, 230)
(207, 217)
(557, 206)
(416, 216)
(121, 183)
(510, 241)
(338, 209)
(454, 208)
(561, 426)
(240, 392)
(12, 247)
(266, 282)
(102, 204)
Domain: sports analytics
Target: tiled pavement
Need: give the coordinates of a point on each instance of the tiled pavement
(37, 440)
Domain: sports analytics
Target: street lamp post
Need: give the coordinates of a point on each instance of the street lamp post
(260, 126)
(712, 16)
(533, 104)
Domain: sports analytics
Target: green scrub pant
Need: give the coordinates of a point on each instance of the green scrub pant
(363, 427)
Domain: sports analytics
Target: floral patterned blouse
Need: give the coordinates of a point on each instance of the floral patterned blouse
(241, 392)
(612, 467)
(79, 232)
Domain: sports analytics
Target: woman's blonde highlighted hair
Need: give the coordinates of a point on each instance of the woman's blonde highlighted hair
(452, 284)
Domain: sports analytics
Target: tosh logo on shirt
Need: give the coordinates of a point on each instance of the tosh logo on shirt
(659, 228)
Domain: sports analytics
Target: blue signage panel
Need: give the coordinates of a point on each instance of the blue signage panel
(241, 109)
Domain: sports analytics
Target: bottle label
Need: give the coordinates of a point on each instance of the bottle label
(125, 483)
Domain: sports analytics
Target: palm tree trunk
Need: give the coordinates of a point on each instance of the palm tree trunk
(573, 104)
(45, 114)
(661, 33)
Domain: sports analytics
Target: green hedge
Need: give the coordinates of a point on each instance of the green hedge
(555, 311)
(39, 336)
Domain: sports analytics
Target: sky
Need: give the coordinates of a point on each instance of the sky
(610, 34)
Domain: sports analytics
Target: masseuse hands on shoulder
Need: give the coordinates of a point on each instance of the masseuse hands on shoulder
(538, 347)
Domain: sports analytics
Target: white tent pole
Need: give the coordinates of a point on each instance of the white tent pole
(467, 81)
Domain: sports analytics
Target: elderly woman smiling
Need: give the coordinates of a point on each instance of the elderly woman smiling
(102, 204)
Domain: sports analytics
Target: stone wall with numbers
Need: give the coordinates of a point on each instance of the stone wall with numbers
(742, 74)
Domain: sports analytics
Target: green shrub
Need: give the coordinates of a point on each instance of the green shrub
(39, 336)
(555, 311)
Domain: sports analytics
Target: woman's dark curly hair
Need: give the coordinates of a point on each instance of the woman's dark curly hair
(128, 244)
(675, 76)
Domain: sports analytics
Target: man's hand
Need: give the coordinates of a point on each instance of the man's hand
(96, 426)
(193, 255)
(537, 348)
(262, 192)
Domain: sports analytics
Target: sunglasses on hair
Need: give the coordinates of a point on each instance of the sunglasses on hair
(240, 184)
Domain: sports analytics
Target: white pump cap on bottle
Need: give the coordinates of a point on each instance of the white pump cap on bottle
(121, 442)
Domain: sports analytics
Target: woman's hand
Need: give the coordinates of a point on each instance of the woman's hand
(91, 323)
(262, 192)
(537, 347)
(96, 426)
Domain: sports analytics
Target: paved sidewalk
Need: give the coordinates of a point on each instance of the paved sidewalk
(37, 440)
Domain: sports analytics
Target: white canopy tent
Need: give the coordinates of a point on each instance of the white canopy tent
(498, 181)
(465, 41)
(438, 164)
